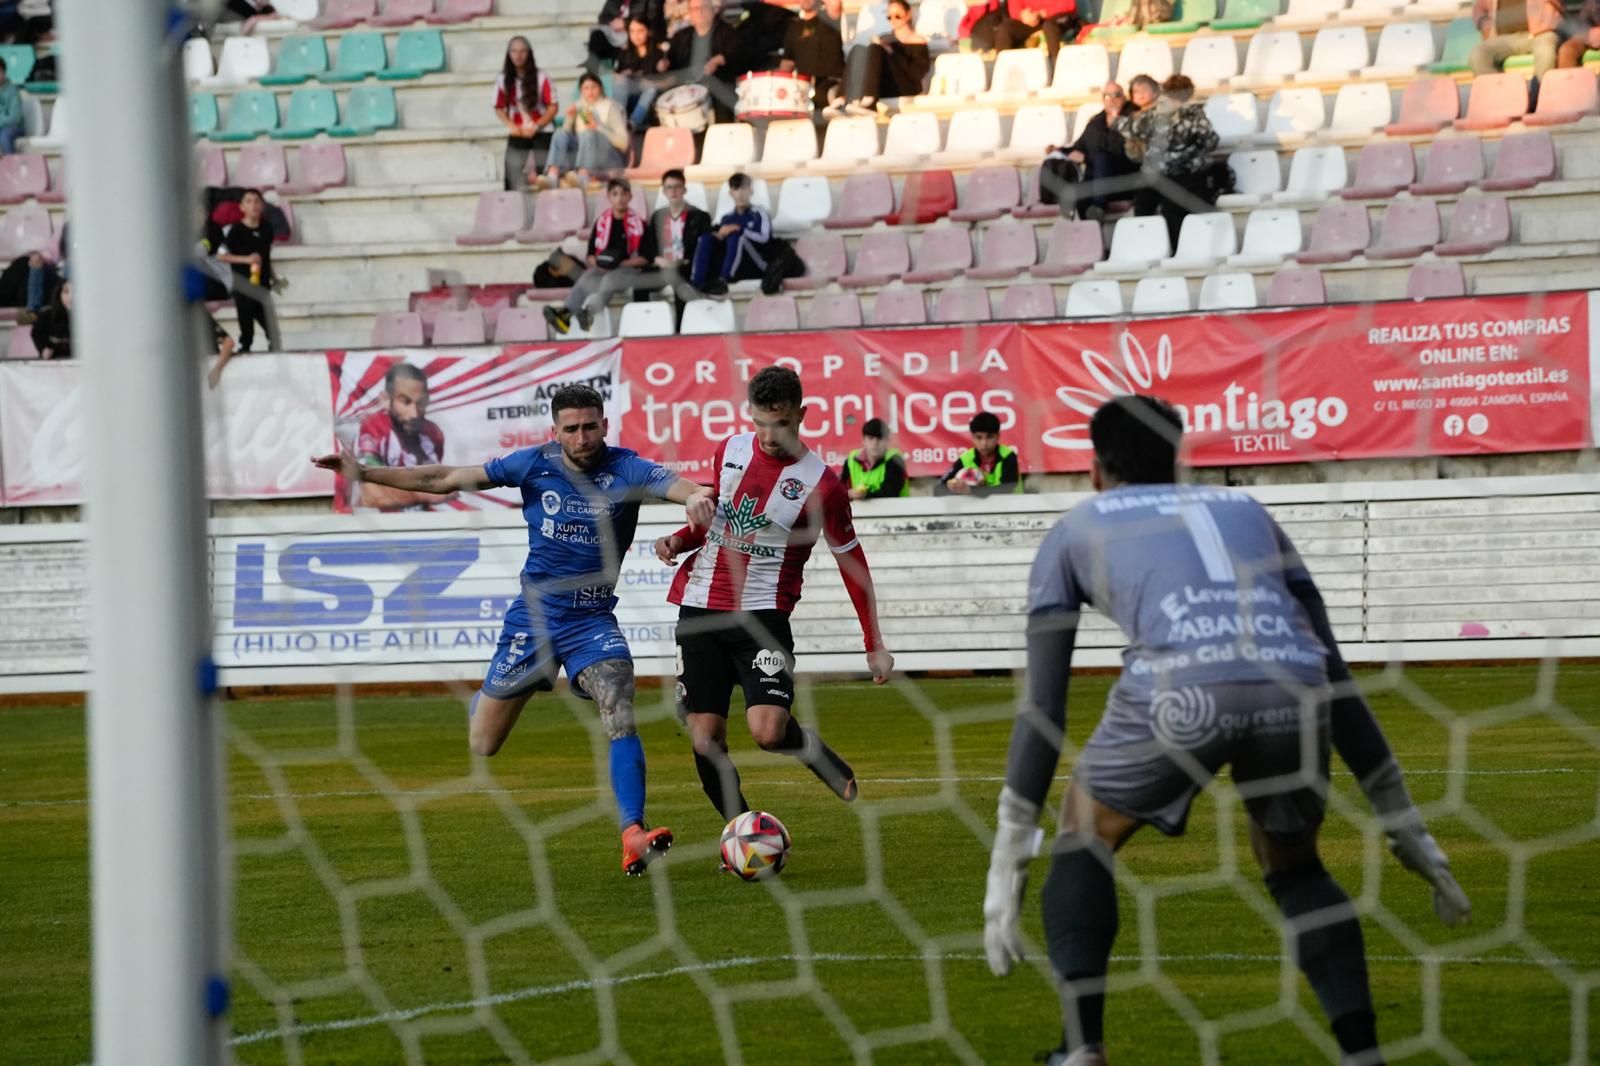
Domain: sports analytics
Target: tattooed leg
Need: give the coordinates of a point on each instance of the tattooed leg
(610, 682)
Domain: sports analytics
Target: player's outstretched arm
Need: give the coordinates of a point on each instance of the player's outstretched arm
(434, 480)
(700, 501)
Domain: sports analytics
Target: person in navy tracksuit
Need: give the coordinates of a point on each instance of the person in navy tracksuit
(737, 249)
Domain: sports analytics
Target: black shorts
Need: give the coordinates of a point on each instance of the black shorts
(720, 649)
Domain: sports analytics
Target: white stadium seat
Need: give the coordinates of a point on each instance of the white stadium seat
(803, 203)
(646, 318)
(1337, 52)
(1033, 129)
(1293, 115)
(1315, 174)
(1272, 59)
(1144, 55)
(1236, 117)
(1211, 59)
(974, 133)
(1205, 240)
(1403, 48)
(1271, 235)
(1257, 175)
(707, 316)
(1137, 244)
(1082, 70)
(1093, 299)
(1161, 296)
(1228, 292)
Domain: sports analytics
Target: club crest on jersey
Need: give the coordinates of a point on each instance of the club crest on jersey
(551, 502)
(604, 479)
(792, 488)
(743, 521)
(769, 662)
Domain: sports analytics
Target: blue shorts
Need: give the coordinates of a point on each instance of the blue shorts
(535, 644)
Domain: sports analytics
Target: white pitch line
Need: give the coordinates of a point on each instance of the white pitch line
(440, 793)
(543, 991)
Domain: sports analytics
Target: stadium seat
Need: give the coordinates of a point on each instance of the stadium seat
(1307, 14)
(1032, 206)
(1478, 225)
(1018, 75)
(1093, 299)
(1072, 248)
(872, 22)
(397, 329)
(343, 14)
(317, 166)
(1227, 292)
(22, 177)
(33, 122)
(665, 147)
(1271, 235)
(729, 146)
(1453, 163)
(991, 192)
(1245, 14)
(945, 252)
(1161, 296)
(211, 165)
(299, 60)
(312, 110)
(1371, 11)
(1204, 241)
(1187, 17)
(499, 217)
(653, 318)
(1085, 112)
(771, 314)
(243, 60)
(1337, 53)
(957, 76)
(694, 193)
(1382, 170)
(850, 143)
(962, 303)
(198, 63)
(1293, 115)
(1495, 101)
(465, 326)
(1340, 232)
(1210, 60)
(1291, 287)
(912, 137)
(451, 12)
(491, 299)
(204, 116)
(882, 256)
(250, 114)
(928, 195)
(1235, 117)
(1403, 49)
(402, 12)
(1115, 19)
(417, 53)
(1461, 36)
(940, 22)
(1035, 299)
(1428, 105)
(834, 310)
(1565, 96)
(1257, 175)
(865, 198)
(1409, 228)
(57, 192)
(1271, 59)
(760, 195)
(1081, 71)
(1137, 245)
(803, 202)
(1145, 55)
(1359, 111)
(1008, 248)
(1435, 280)
(789, 145)
(1314, 175)
(1523, 161)
(520, 324)
(825, 260)
(262, 165)
(898, 307)
(1034, 128)
(974, 134)
(368, 108)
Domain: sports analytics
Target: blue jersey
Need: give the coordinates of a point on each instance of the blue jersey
(579, 524)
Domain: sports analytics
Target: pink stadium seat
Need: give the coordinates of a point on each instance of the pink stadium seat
(25, 229)
(899, 307)
(944, 253)
(867, 197)
(20, 344)
(1340, 233)
(962, 303)
(825, 260)
(320, 165)
(1496, 101)
(343, 14)
(1428, 281)
(1410, 227)
(1453, 163)
(520, 324)
(927, 196)
(1009, 248)
(429, 305)
(769, 314)
(665, 147)
(402, 12)
(1480, 224)
(453, 11)
(1296, 288)
(1565, 96)
(1032, 206)
(57, 193)
(1427, 106)
(1382, 170)
(991, 192)
(24, 176)
(1035, 299)
(499, 217)
(465, 326)
(834, 310)
(1523, 161)
(261, 165)
(1073, 247)
(212, 164)
(557, 214)
(397, 329)
(490, 299)
(882, 256)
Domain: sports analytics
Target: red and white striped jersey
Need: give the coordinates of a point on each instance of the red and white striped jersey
(770, 513)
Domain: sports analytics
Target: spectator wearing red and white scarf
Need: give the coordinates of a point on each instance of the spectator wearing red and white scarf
(620, 248)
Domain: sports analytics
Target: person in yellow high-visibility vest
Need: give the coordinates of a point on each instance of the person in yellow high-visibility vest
(874, 470)
(985, 468)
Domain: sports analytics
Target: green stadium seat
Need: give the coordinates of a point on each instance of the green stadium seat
(1526, 62)
(299, 60)
(1460, 38)
(312, 110)
(1188, 16)
(361, 55)
(19, 60)
(1111, 10)
(1246, 14)
(204, 116)
(417, 52)
(370, 108)
(250, 115)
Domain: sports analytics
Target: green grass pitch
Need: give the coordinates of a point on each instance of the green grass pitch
(392, 906)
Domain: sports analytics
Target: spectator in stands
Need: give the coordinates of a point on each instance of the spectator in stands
(1516, 28)
(525, 103)
(1084, 176)
(985, 468)
(874, 470)
(889, 67)
(594, 141)
(676, 13)
(637, 73)
(399, 435)
(997, 25)
(1586, 35)
(812, 46)
(1173, 142)
(27, 283)
(833, 14)
(620, 246)
(52, 330)
(247, 247)
(609, 38)
(676, 231)
(702, 53)
(11, 125)
(761, 32)
(737, 249)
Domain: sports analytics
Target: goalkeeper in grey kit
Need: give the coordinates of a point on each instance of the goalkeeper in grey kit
(1231, 660)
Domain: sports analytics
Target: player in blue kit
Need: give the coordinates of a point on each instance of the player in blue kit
(1230, 661)
(581, 499)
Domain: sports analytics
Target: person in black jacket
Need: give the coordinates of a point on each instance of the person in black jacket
(1084, 176)
(986, 468)
(702, 53)
(52, 330)
(889, 67)
(812, 46)
(677, 230)
(610, 34)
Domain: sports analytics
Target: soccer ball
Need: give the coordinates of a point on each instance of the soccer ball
(971, 475)
(755, 845)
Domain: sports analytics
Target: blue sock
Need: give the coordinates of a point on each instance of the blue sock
(627, 779)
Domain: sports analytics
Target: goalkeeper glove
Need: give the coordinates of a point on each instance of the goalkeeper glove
(1015, 842)
(1418, 852)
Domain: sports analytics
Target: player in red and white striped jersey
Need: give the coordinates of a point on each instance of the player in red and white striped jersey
(775, 499)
